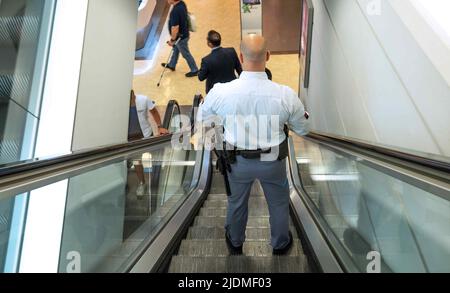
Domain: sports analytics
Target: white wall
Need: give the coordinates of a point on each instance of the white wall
(373, 79)
(106, 74)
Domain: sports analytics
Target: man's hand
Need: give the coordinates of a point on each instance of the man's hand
(163, 131)
(170, 43)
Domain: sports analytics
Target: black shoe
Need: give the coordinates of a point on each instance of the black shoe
(168, 67)
(232, 249)
(191, 74)
(286, 249)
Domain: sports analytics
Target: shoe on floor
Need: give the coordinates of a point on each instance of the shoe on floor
(168, 67)
(191, 74)
(285, 250)
(232, 249)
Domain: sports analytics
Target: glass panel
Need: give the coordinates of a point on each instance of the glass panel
(12, 217)
(5, 220)
(370, 211)
(22, 55)
(111, 212)
(17, 127)
(175, 122)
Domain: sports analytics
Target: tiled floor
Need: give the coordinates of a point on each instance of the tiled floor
(223, 16)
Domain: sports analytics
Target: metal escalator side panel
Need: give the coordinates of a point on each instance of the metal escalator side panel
(161, 249)
(378, 213)
(318, 243)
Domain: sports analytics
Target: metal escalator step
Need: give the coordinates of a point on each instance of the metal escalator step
(219, 248)
(216, 233)
(258, 203)
(255, 222)
(221, 212)
(238, 264)
(217, 197)
(218, 180)
(217, 189)
(212, 196)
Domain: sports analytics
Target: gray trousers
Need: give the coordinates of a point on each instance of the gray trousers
(273, 178)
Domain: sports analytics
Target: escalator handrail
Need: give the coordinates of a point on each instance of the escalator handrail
(198, 99)
(403, 156)
(57, 162)
(36, 164)
(171, 107)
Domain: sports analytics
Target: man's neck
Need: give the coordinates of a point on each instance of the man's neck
(254, 69)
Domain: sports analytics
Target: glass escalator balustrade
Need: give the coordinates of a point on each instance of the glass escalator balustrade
(23, 35)
(372, 213)
(111, 211)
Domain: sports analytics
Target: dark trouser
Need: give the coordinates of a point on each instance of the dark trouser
(273, 178)
(183, 48)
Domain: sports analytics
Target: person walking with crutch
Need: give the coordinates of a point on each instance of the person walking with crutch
(166, 65)
(179, 32)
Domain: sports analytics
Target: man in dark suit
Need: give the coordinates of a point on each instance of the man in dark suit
(221, 65)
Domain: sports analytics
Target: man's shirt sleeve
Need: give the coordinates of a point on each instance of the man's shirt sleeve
(297, 120)
(151, 105)
(207, 112)
(175, 20)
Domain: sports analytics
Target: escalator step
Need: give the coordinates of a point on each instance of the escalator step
(218, 181)
(224, 196)
(253, 222)
(216, 233)
(219, 248)
(253, 203)
(238, 264)
(221, 212)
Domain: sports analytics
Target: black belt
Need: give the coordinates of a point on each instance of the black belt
(252, 154)
(283, 151)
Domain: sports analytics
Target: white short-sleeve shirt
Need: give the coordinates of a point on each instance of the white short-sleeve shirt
(143, 106)
(254, 110)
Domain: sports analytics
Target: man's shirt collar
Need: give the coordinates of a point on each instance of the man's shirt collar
(262, 75)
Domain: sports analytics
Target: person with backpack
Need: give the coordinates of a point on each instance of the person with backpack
(179, 31)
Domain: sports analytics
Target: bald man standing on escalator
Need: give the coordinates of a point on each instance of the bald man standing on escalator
(254, 111)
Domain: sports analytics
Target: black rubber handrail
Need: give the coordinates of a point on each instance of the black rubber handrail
(411, 158)
(198, 100)
(35, 164)
(171, 107)
(15, 168)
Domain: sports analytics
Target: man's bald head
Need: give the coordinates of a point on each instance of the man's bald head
(254, 50)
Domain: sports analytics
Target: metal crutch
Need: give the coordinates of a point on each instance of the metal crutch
(167, 63)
